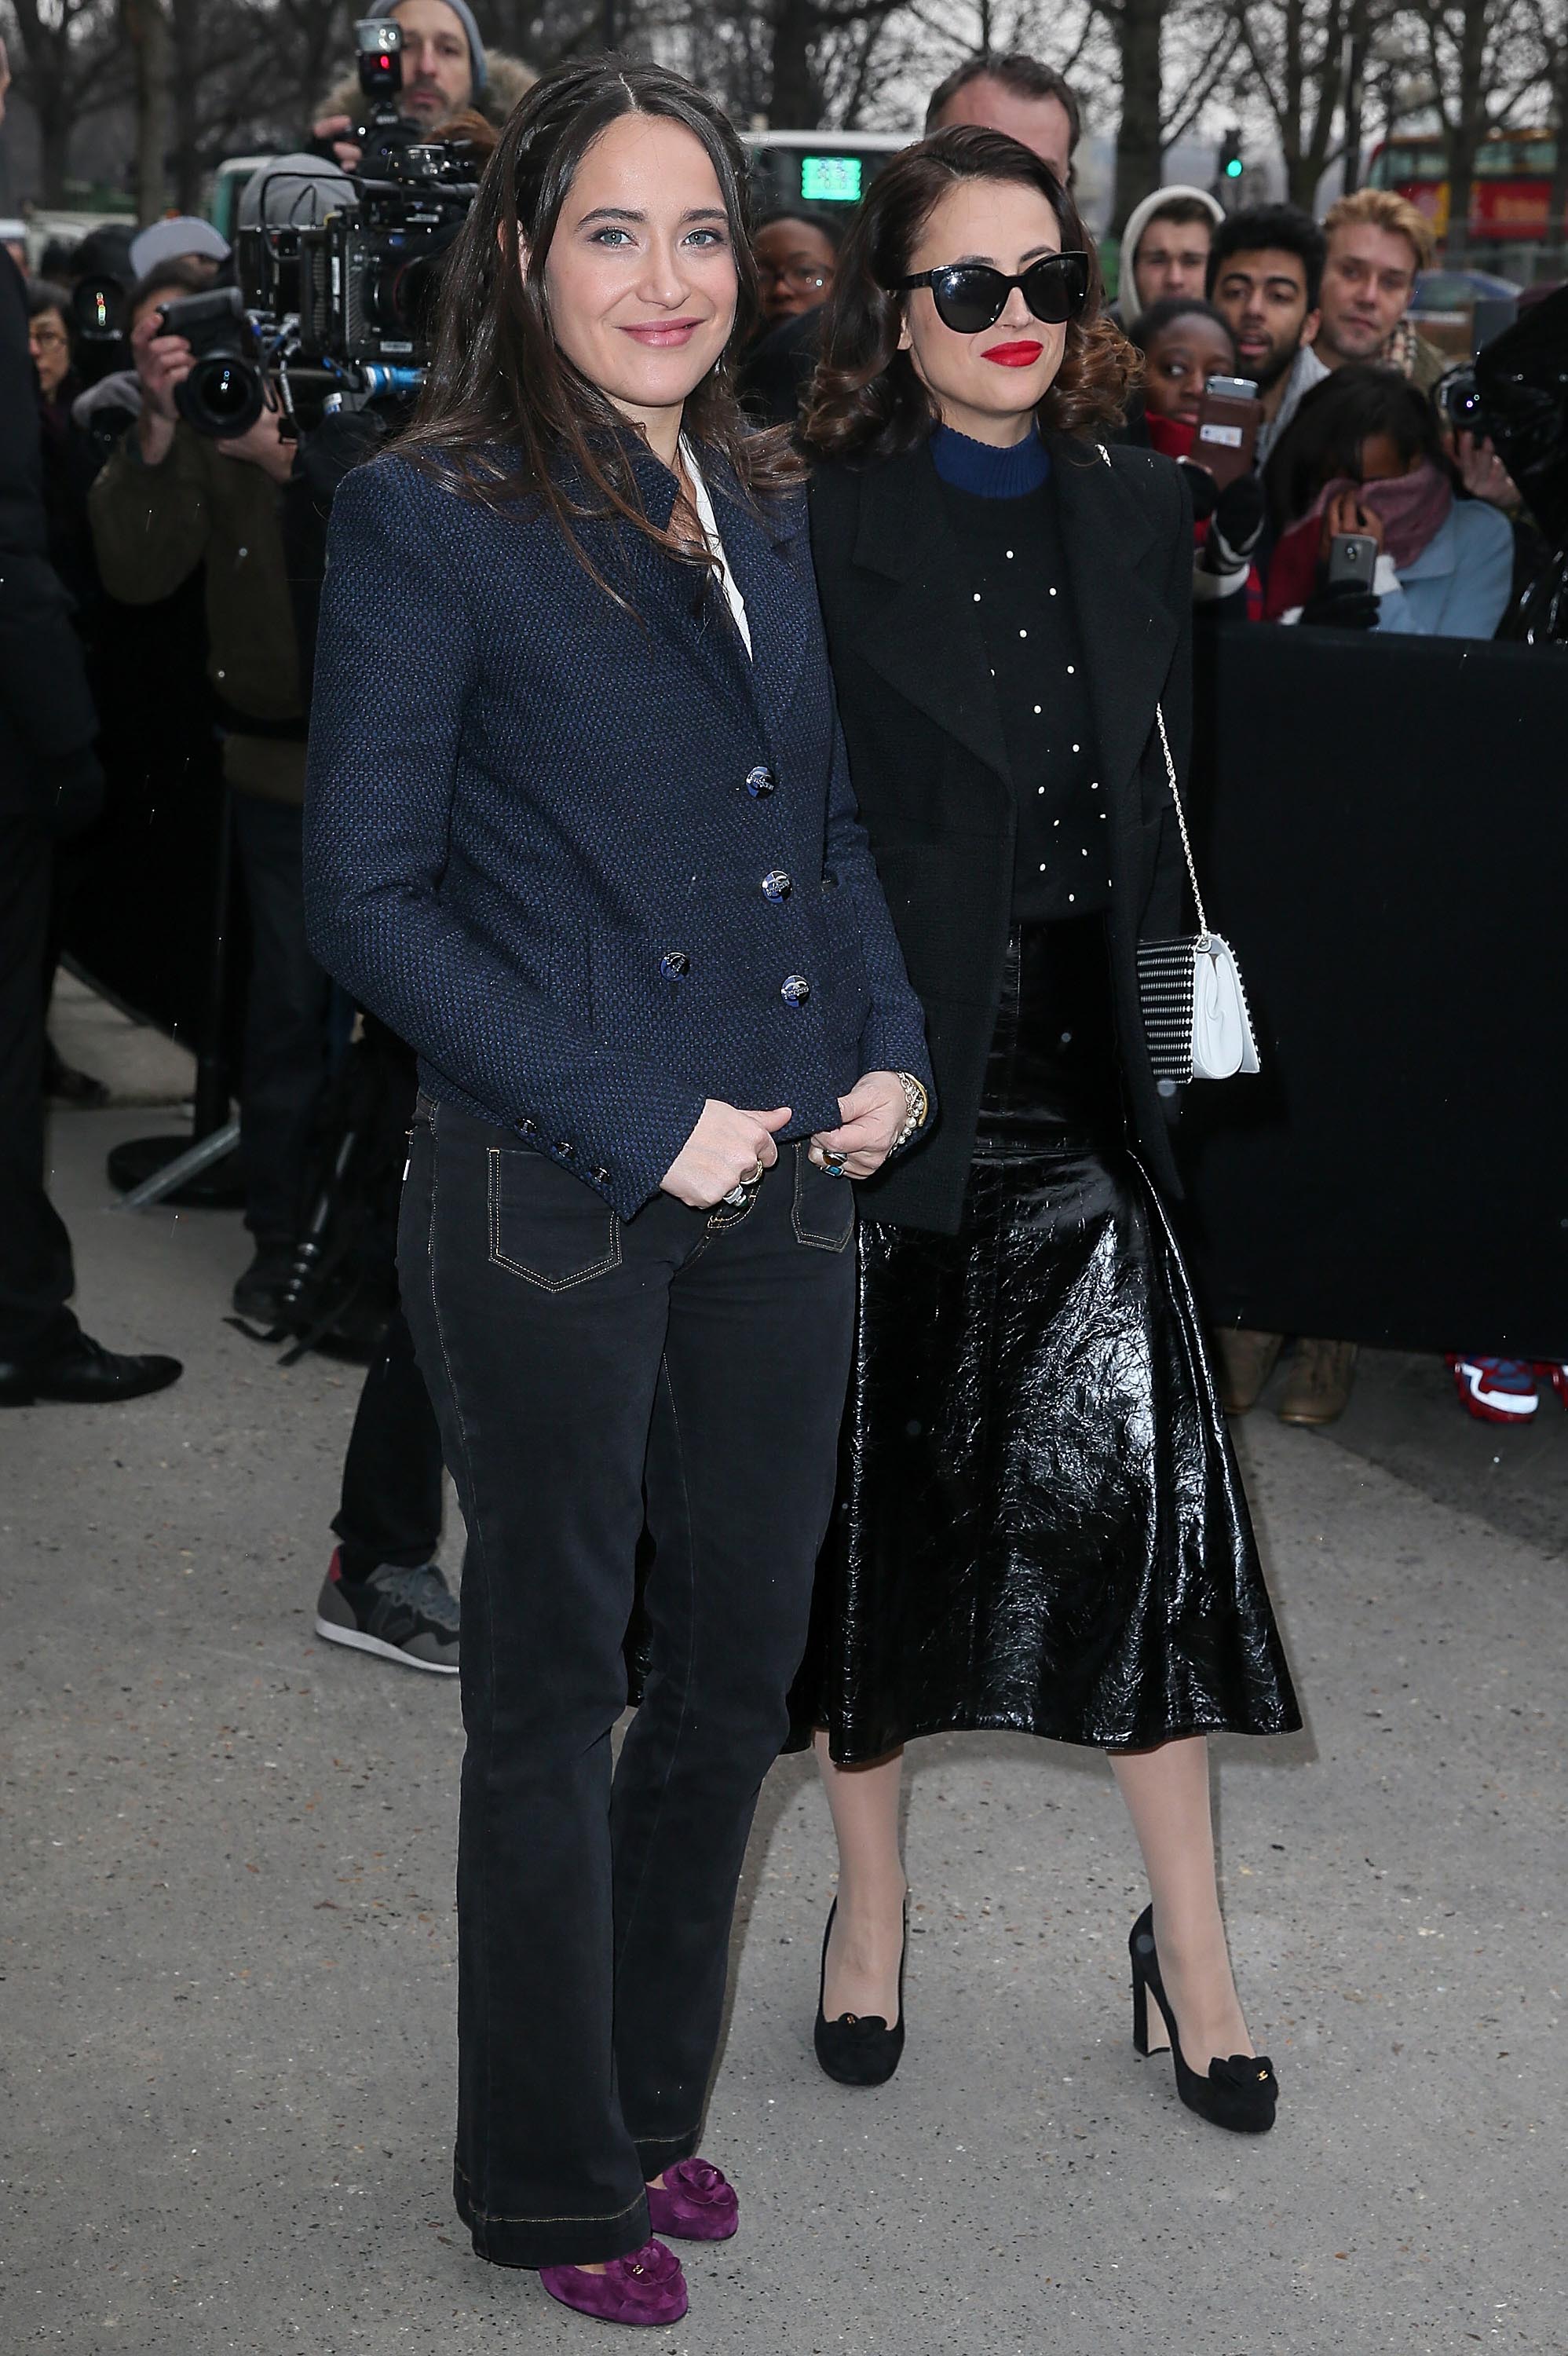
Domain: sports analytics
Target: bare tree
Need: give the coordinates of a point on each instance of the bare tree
(1296, 53)
(146, 32)
(72, 65)
(1484, 70)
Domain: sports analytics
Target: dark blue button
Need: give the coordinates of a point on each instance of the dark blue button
(601, 1177)
(760, 782)
(794, 990)
(566, 1149)
(530, 1129)
(776, 884)
(674, 963)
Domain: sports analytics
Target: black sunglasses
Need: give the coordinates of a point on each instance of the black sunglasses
(971, 297)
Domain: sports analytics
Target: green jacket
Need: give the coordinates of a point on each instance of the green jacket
(151, 526)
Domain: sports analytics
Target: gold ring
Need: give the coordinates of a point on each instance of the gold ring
(753, 1176)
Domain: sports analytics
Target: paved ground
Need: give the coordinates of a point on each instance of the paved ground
(227, 1934)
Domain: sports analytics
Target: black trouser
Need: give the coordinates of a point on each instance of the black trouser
(36, 1278)
(391, 1474)
(577, 1363)
(286, 1035)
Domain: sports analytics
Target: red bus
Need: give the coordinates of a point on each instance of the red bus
(1508, 196)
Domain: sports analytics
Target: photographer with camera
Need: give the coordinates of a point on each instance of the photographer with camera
(448, 74)
(169, 500)
(50, 783)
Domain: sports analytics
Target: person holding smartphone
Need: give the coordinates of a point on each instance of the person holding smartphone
(588, 844)
(1040, 1525)
(1192, 406)
(1364, 459)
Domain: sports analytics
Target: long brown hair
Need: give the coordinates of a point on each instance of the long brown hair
(502, 413)
(866, 401)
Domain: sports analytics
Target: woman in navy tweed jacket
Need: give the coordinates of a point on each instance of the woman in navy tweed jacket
(580, 828)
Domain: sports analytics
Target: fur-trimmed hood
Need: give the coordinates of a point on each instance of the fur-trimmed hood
(507, 79)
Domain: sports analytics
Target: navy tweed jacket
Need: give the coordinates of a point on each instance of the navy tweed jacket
(595, 865)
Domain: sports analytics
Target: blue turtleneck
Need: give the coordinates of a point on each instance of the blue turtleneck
(985, 472)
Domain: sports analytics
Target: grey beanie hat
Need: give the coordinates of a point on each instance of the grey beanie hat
(385, 9)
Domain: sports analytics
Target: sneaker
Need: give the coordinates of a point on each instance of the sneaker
(258, 1293)
(1497, 1390)
(404, 1615)
(1317, 1389)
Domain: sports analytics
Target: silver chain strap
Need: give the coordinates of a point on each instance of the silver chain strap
(1175, 796)
(1181, 818)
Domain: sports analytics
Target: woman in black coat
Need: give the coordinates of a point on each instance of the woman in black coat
(1040, 1524)
(580, 829)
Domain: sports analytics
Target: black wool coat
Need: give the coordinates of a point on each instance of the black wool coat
(929, 759)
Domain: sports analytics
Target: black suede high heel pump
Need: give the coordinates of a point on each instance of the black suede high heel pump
(860, 2050)
(1239, 2094)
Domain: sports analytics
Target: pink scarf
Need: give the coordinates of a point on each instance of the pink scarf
(1412, 508)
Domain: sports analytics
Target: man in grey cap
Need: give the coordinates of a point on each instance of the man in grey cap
(182, 238)
(446, 73)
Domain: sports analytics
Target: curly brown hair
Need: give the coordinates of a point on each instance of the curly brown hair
(866, 400)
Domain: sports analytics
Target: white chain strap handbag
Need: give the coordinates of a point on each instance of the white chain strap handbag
(1195, 1009)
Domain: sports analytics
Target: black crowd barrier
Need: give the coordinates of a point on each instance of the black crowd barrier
(1384, 839)
(1383, 831)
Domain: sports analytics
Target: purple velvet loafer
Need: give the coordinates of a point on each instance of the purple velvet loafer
(645, 2287)
(696, 2203)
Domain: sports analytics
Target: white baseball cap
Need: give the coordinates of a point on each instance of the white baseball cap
(171, 241)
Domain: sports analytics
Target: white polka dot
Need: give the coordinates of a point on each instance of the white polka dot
(1040, 789)
(1023, 634)
(1042, 867)
(1078, 748)
(977, 596)
(1036, 707)
(1070, 671)
(1010, 556)
(1053, 592)
(1072, 895)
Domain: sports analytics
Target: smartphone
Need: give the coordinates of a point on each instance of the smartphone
(1228, 421)
(1353, 560)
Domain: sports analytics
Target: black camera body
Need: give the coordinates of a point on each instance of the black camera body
(225, 392)
(368, 277)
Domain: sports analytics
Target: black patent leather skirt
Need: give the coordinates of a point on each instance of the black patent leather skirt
(1039, 1523)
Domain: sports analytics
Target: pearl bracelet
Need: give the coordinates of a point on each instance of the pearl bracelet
(919, 1105)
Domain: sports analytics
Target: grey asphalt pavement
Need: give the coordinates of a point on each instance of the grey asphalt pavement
(227, 1933)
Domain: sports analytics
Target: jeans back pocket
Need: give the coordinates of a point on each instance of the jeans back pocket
(823, 1211)
(546, 1226)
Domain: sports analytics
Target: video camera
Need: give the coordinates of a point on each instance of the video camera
(338, 271)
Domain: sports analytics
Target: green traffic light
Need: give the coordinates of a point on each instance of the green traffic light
(1233, 167)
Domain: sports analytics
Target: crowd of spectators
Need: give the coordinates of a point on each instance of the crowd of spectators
(116, 504)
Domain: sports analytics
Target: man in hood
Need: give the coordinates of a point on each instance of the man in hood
(1165, 249)
(447, 72)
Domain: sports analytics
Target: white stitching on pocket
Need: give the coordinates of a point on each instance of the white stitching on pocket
(532, 1275)
(816, 1243)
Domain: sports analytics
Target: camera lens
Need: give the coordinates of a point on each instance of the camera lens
(223, 395)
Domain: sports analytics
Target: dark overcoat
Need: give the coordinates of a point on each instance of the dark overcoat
(929, 759)
(588, 857)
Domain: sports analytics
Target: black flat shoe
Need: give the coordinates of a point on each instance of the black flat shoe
(84, 1374)
(1239, 2094)
(860, 2050)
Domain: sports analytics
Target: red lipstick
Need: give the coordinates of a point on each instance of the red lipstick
(1021, 355)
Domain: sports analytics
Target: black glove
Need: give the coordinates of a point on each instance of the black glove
(1238, 524)
(1200, 487)
(1343, 607)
